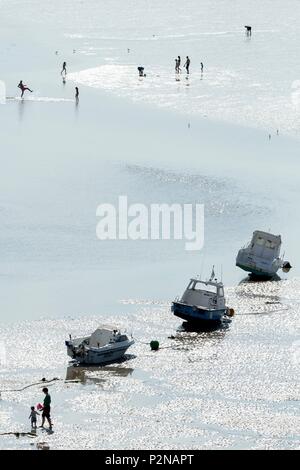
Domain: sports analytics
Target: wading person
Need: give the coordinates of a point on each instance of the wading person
(248, 30)
(179, 62)
(141, 71)
(187, 64)
(23, 88)
(46, 409)
(64, 68)
(76, 93)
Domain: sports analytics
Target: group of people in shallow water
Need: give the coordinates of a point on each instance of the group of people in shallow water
(140, 69)
(186, 65)
(177, 66)
(63, 72)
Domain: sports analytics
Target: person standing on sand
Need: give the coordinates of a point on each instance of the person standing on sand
(64, 68)
(187, 64)
(23, 88)
(46, 409)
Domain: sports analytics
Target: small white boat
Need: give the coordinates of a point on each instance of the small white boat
(105, 345)
(261, 256)
(202, 302)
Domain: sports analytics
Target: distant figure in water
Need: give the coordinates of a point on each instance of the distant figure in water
(248, 30)
(179, 62)
(269, 136)
(128, 50)
(141, 71)
(187, 64)
(76, 93)
(64, 68)
(201, 65)
(176, 66)
(56, 52)
(23, 88)
(277, 132)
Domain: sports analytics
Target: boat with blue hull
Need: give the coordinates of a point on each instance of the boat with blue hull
(202, 302)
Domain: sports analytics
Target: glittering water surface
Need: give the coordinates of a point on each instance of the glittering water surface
(234, 387)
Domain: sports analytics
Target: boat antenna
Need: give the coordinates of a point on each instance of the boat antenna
(202, 265)
(212, 273)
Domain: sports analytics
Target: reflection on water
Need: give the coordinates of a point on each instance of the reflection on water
(96, 375)
(193, 335)
(264, 298)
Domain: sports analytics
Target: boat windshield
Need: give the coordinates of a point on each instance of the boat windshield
(267, 243)
(197, 286)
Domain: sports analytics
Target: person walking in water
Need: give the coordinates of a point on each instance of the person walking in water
(33, 416)
(141, 71)
(202, 66)
(23, 88)
(46, 409)
(187, 64)
(179, 62)
(76, 93)
(248, 30)
(64, 68)
(176, 66)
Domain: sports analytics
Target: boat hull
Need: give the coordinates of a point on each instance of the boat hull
(95, 356)
(198, 315)
(257, 272)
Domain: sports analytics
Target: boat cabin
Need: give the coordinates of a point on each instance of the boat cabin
(102, 336)
(265, 245)
(205, 294)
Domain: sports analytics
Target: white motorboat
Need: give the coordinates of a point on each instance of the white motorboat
(105, 345)
(261, 256)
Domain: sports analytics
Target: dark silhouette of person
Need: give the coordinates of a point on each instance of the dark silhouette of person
(141, 71)
(176, 66)
(23, 88)
(64, 68)
(248, 30)
(46, 409)
(187, 64)
(201, 65)
(76, 93)
(179, 62)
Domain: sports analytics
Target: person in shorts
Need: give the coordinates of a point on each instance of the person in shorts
(46, 408)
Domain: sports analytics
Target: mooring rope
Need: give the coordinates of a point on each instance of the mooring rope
(41, 382)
